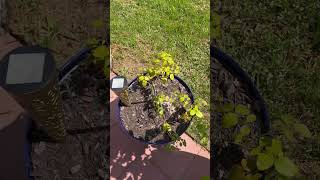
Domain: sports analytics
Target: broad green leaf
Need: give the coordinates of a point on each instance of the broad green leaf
(276, 147)
(242, 109)
(236, 173)
(302, 130)
(101, 52)
(230, 120)
(251, 118)
(192, 112)
(228, 107)
(245, 130)
(285, 167)
(264, 161)
(171, 76)
(144, 83)
(141, 78)
(199, 114)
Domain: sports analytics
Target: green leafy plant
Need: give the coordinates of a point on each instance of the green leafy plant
(296, 129)
(100, 53)
(268, 157)
(165, 69)
(234, 115)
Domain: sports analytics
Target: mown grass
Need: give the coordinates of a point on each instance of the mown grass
(141, 29)
(277, 42)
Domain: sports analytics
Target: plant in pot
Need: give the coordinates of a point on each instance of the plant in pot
(162, 105)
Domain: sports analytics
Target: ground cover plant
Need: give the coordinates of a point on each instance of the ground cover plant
(241, 147)
(276, 42)
(142, 28)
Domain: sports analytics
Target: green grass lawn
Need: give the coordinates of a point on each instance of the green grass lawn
(140, 29)
(277, 42)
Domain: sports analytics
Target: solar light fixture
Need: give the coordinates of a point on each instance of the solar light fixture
(119, 85)
(30, 74)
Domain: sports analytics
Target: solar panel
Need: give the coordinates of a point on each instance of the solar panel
(25, 68)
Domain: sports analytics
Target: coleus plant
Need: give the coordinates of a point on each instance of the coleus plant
(165, 69)
(268, 158)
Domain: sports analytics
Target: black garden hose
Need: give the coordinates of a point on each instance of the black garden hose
(233, 67)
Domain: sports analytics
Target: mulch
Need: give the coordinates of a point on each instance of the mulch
(84, 155)
(226, 87)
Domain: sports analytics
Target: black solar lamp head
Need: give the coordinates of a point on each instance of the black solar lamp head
(119, 84)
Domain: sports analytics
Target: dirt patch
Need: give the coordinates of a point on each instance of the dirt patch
(64, 26)
(142, 121)
(127, 62)
(84, 155)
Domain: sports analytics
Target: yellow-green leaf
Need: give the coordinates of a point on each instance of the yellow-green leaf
(144, 83)
(264, 161)
(199, 114)
(251, 118)
(236, 173)
(276, 147)
(229, 120)
(228, 107)
(192, 112)
(245, 130)
(171, 76)
(242, 109)
(101, 52)
(285, 167)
